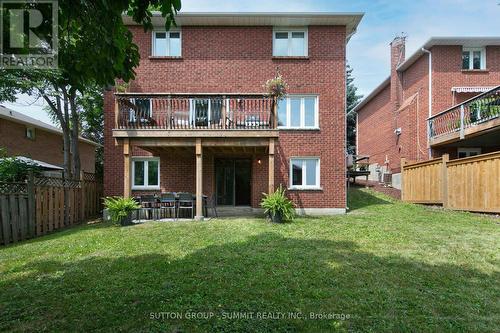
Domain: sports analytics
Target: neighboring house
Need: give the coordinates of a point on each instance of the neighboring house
(196, 117)
(24, 136)
(392, 121)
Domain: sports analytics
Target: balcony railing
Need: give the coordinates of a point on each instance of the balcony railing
(186, 112)
(472, 112)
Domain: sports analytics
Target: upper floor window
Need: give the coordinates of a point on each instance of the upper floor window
(291, 43)
(167, 43)
(30, 133)
(296, 111)
(473, 58)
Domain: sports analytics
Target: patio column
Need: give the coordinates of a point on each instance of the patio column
(199, 181)
(126, 168)
(271, 166)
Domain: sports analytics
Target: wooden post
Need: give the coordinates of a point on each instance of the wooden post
(403, 163)
(271, 166)
(117, 112)
(126, 168)
(199, 180)
(275, 114)
(31, 205)
(444, 182)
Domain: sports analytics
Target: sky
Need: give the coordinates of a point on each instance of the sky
(368, 49)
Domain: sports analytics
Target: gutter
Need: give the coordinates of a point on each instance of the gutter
(430, 100)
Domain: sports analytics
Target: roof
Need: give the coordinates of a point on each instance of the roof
(21, 118)
(433, 41)
(43, 165)
(350, 20)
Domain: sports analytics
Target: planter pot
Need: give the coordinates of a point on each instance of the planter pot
(126, 220)
(277, 217)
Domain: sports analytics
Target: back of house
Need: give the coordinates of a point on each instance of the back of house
(445, 98)
(197, 118)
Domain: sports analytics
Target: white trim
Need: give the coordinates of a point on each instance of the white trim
(316, 186)
(302, 111)
(476, 89)
(320, 211)
(471, 51)
(167, 37)
(146, 160)
(289, 31)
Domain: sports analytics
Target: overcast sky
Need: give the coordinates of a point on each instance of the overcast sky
(368, 49)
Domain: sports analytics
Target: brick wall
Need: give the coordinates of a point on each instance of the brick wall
(239, 60)
(376, 124)
(46, 147)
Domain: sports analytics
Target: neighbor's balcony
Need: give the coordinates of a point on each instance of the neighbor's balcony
(181, 115)
(470, 118)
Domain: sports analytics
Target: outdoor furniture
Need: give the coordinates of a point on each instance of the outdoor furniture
(149, 204)
(185, 202)
(211, 204)
(168, 202)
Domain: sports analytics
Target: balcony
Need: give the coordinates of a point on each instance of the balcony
(200, 115)
(476, 116)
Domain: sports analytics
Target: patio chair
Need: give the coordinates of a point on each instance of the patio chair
(149, 205)
(211, 203)
(168, 203)
(185, 202)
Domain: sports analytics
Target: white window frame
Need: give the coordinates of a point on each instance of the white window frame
(153, 39)
(146, 186)
(467, 151)
(471, 51)
(317, 186)
(302, 112)
(289, 31)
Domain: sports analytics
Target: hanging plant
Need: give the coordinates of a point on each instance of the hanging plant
(276, 87)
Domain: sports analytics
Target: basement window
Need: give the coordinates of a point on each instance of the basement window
(473, 58)
(145, 173)
(30, 133)
(304, 173)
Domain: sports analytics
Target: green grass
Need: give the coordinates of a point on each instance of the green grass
(389, 266)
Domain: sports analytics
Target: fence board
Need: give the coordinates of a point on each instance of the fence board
(471, 183)
(4, 205)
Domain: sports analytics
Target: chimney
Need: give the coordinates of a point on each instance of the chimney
(397, 58)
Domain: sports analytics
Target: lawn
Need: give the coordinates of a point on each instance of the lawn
(386, 266)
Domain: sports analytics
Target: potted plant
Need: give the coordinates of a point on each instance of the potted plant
(277, 206)
(120, 209)
(276, 87)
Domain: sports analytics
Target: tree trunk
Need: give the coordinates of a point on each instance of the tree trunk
(75, 127)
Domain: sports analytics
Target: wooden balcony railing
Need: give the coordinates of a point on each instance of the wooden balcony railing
(185, 112)
(478, 110)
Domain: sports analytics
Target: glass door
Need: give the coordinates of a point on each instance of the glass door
(232, 181)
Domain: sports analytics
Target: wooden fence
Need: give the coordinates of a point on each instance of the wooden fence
(36, 207)
(471, 183)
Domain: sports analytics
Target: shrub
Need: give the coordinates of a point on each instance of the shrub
(278, 206)
(119, 208)
(13, 169)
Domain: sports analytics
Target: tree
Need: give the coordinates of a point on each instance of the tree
(95, 49)
(352, 99)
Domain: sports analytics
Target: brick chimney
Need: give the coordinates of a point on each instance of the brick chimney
(397, 58)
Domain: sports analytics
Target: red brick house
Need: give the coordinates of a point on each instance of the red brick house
(415, 112)
(196, 117)
(21, 135)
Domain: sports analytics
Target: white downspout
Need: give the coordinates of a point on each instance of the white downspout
(430, 100)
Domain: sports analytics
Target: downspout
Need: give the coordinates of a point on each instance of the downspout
(430, 101)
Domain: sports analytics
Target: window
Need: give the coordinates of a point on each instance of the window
(304, 173)
(473, 58)
(291, 43)
(468, 152)
(167, 43)
(30, 133)
(298, 112)
(145, 173)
